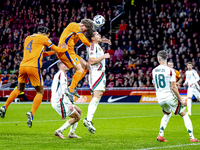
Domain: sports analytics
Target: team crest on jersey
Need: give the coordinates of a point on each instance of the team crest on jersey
(49, 41)
(76, 59)
(91, 53)
(65, 80)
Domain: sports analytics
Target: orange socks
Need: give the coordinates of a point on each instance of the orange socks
(11, 98)
(76, 78)
(36, 102)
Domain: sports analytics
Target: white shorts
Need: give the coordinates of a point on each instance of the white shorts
(62, 107)
(193, 91)
(97, 81)
(171, 104)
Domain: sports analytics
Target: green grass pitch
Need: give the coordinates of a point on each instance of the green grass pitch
(118, 126)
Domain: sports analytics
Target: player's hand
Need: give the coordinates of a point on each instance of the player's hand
(184, 84)
(191, 85)
(104, 40)
(183, 102)
(106, 55)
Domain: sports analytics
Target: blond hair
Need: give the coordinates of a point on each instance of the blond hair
(88, 23)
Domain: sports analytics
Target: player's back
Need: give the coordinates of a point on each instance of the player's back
(57, 90)
(70, 35)
(162, 78)
(34, 46)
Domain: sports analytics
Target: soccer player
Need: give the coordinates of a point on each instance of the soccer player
(61, 103)
(164, 79)
(71, 34)
(97, 79)
(178, 76)
(192, 79)
(34, 47)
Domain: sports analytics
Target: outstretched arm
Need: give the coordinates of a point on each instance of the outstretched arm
(84, 39)
(48, 53)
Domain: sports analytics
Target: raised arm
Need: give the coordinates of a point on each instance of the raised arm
(48, 53)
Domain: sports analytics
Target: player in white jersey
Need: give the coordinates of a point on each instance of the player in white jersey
(164, 79)
(61, 103)
(97, 79)
(192, 79)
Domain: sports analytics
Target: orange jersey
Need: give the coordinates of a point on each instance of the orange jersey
(71, 35)
(177, 75)
(34, 47)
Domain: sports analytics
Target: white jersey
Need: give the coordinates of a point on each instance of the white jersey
(192, 77)
(162, 78)
(96, 51)
(58, 87)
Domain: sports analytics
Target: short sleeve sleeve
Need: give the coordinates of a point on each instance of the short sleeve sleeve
(47, 42)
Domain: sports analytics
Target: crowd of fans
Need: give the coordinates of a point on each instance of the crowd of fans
(147, 29)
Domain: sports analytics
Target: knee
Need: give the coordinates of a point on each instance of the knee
(77, 118)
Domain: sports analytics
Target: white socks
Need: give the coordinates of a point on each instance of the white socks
(64, 126)
(189, 106)
(188, 125)
(164, 121)
(73, 127)
(92, 108)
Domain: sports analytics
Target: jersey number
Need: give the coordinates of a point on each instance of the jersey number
(160, 81)
(29, 46)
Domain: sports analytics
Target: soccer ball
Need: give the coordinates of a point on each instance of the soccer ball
(99, 20)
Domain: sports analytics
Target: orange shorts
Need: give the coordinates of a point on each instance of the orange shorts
(69, 59)
(34, 75)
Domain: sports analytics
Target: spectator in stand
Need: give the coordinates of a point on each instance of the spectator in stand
(110, 51)
(122, 26)
(118, 53)
(182, 48)
(86, 84)
(115, 11)
(13, 84)
(117, 84)
(47, 81)
(4, 79)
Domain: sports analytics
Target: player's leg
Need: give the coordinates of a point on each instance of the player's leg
(164, 121)
(13, 95)
(36, 80)
(21, 85)
(75, 117)
(188, 125)
(36, 103)
(189, 101)
(93, 104)
(87, 122)
(85, 65)
(74, 126)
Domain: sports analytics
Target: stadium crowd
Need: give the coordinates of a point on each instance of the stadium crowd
(173, 27)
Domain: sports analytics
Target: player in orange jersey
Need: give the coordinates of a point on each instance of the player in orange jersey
(34, 47)
(71, 34)
(178, 76)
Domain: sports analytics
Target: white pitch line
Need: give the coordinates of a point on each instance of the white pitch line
(170, 146)
(95, 118)
(82, 119)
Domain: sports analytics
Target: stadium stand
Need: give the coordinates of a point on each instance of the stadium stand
(172, 26)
